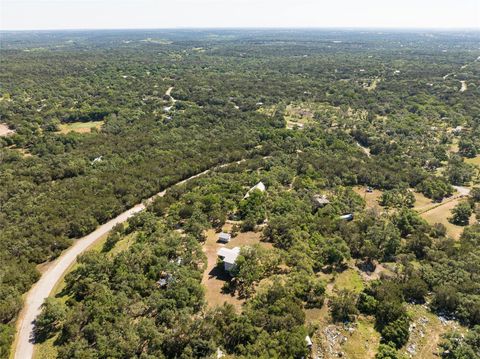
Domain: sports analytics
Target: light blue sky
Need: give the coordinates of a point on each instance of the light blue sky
(99, 14)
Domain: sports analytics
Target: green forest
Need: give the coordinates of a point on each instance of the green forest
(368, 145)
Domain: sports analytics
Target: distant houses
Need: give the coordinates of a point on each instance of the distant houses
(259, 186)
(224, 237)
(228, 256)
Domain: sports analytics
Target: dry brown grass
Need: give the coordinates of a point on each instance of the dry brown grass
(372, 199)
(473, 161)
(422, 203)
(441, 213)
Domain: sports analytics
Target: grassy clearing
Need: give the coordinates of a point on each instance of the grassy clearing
(350, 280)
(422, 203)
(302, 113)
(298, 115)
(372, 199)
(454, 146)
(46, 350)
(373, 85)
(80, 127)
(441, 213)
(122, 245)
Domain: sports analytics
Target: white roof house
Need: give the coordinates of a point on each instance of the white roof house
(228, 256)
(224, 237)
(259, 186)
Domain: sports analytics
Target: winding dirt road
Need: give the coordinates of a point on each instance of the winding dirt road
(41, 290)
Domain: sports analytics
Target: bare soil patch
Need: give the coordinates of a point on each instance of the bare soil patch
(4, 130)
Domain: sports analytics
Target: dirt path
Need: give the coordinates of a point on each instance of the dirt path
(366, 150)
(169, 94)
(42, 289)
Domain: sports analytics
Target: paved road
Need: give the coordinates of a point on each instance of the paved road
(42, 289)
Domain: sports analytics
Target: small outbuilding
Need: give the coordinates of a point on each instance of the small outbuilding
(228, 256)
(224, 237)
(347, 217)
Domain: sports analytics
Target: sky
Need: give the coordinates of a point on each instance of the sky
(131, 14)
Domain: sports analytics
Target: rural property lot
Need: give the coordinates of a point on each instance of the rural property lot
(214, 278)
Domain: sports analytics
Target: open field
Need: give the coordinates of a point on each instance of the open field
(373, 85)
(454, 146)
(441, 213)
(350, 280)
(422, 203)
(80, 127)
(298, 116)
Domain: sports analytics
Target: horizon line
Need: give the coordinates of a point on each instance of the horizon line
(474, 29)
